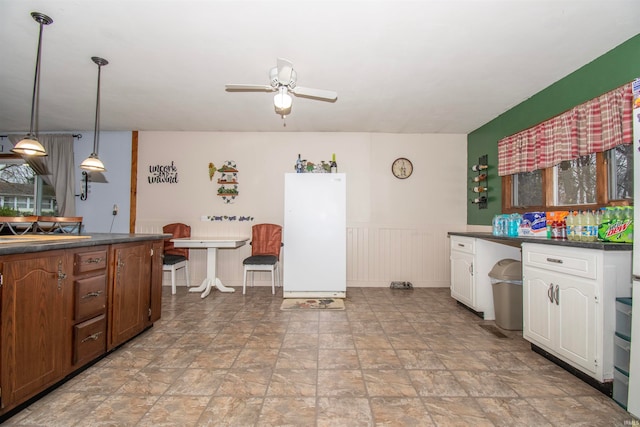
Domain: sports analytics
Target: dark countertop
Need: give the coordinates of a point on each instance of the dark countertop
(96, 239)
(517, 241)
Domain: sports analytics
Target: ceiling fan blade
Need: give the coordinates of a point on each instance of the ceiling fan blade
(285, 68)
(327, 95)
(249, 88)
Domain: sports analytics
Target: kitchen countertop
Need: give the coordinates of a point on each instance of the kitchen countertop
(61, 241)
(517, 241)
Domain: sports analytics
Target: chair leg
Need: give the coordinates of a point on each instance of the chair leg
(186, 274)
(173, 281)
(244, 282)
(273, 278)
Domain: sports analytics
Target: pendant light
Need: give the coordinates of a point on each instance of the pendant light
(29, 145)
(93, 163)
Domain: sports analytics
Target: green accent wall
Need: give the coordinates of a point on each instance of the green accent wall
(613, 69)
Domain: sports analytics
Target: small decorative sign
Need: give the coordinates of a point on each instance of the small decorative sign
(227, 218)
(163, 173)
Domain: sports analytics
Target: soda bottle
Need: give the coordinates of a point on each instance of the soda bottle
(569, 224)
(588, 226)
(578, 226)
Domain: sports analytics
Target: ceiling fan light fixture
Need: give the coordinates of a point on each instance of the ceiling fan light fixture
(282, 100)
(29, 145)
(93, 163)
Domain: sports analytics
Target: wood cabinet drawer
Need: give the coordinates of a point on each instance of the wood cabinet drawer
(572, 261)
(90, 261)
(90, 297)
(90, 340)
(463, 244)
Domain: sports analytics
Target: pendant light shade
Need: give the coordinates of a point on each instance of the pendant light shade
(29, 145)
(93, 163)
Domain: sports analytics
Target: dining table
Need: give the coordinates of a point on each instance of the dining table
(211, 244)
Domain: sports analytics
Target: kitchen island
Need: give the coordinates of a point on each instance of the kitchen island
(66, 301)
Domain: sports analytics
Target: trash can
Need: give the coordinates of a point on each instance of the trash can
(506, 281)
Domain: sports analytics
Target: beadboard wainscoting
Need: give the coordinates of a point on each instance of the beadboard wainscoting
(376, 255)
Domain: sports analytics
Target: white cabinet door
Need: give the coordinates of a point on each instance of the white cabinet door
(560, 316)
(576, 321)
(537, 307)
(462, 277)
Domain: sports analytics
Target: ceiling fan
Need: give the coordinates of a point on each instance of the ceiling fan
(283, 79)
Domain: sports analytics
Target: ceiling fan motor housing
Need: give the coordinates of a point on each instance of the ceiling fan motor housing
(276, 83)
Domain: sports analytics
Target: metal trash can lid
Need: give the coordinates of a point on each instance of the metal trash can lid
(507, 269)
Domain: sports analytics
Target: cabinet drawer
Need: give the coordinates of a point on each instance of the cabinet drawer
(90, 261)
(463, 244)
(576, 262)
(91, 297)
(90, 340)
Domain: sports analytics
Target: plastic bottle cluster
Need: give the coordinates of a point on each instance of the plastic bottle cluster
(582, 226)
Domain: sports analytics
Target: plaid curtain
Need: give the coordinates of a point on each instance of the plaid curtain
(595, 126)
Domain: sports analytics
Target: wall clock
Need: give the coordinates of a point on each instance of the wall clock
(402, 168)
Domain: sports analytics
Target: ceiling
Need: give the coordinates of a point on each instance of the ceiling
(425, 66)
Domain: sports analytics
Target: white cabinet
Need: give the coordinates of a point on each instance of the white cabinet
(569, 303)
(471, 261)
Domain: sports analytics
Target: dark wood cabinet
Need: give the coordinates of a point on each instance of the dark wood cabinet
(130, 291)
(35, 349)
(63, 309)
(157, 248)
(90, 304)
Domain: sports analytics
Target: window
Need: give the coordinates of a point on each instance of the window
(574, 182)
(588, 182)
(527, 189)
(22, 192)
(620, 172)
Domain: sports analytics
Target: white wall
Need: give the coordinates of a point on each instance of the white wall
(397, 229)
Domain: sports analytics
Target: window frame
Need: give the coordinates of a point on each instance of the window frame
(602, 191)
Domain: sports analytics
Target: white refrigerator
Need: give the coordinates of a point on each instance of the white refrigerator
(633, 404)
(315, 235)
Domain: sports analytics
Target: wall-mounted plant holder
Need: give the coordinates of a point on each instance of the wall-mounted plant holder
(228, 189)
(480, 182)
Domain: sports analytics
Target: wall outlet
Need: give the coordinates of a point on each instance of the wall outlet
(115, 209)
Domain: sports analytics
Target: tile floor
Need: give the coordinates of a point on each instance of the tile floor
(392, 358)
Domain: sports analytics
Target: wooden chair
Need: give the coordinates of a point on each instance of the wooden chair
(59, 224)
(266, 241)
(17, 224)
(176, 258)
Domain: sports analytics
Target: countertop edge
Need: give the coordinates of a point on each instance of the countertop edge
(96, 239)
(605, 246)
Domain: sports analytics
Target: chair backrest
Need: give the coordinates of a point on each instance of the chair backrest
(59, 224)
(176, 229)
(266, 239)
(17, 224)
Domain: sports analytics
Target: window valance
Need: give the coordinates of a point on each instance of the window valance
(595, 126)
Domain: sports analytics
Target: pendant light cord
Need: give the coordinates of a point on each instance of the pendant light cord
(96, 135)
(36, 82)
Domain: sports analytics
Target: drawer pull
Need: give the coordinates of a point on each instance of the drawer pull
(92, 337)
(92, 294)
(93, 260)
(554, 260)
